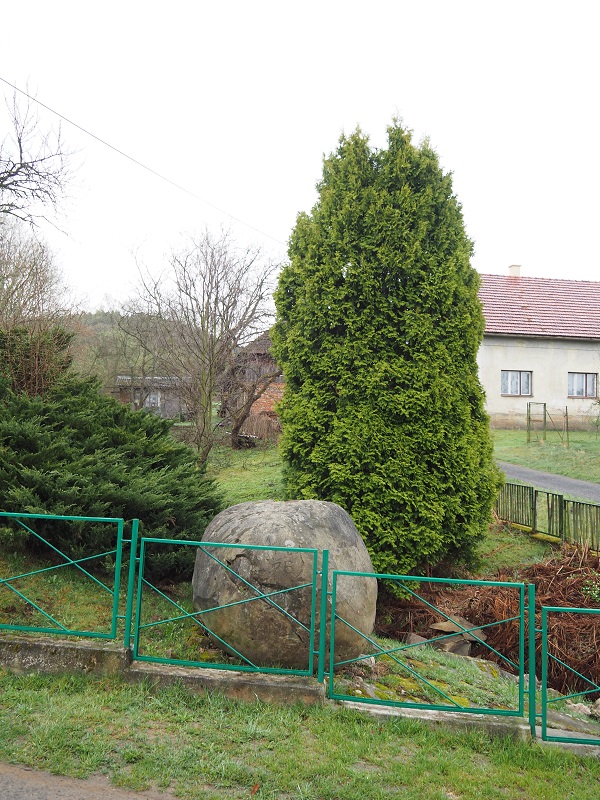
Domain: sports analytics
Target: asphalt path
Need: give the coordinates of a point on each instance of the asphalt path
(583, 490)
(23, 783)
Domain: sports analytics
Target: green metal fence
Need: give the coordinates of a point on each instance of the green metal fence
(581, 524)
(194, 635)
(40, 601)
(570, 521)
(550, 732)
(549, 508)
(408, 660)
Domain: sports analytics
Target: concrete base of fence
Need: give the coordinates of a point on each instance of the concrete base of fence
(20, 654)
(270, 688)
(513, 727)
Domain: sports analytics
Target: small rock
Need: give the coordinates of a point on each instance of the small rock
(457, 623)
(457, 646)
(414, 638)
(579, 708)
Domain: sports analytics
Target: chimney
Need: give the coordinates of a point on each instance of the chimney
(514, 271)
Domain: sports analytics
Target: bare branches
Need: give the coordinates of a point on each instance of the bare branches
(247, 378)
(31, 289)
(211, 300)
(33, 167)
(34, 341)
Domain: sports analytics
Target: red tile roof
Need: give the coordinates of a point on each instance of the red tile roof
(540, 307)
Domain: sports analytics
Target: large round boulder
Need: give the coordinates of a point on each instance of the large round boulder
(275, 631)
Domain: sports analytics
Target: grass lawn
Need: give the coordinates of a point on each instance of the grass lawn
(207, 748)
(581, 460)
(249, 474)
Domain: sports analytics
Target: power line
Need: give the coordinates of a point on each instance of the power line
(139, 163)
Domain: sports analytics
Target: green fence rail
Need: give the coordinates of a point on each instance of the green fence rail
(548, 700)
(571, 521)
(408, 659)
(192, 631)
(516, 503)
(38, 600)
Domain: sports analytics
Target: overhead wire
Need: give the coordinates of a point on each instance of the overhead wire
(139, 163)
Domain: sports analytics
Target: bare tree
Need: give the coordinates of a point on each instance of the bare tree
(33, 166)
(34, 336)
(138, 339)
(104, 347)
(31, 288)
(211, 300)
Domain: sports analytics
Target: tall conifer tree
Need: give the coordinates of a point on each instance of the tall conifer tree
(378, 329)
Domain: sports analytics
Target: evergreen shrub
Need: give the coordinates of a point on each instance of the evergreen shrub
(76, 452)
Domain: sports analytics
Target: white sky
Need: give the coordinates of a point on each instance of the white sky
(238, 101)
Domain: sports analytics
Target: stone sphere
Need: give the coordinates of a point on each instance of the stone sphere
(264, 634)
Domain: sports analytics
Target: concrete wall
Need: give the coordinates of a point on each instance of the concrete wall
(549, 361)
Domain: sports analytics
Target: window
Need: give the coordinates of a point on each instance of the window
(515, 382)
(582, 384)
(152, 400)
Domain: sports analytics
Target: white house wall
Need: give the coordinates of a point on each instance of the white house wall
(549, 361)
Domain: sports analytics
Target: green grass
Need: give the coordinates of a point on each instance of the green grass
(581, 460)
(205, 747)
(209, 747)
(246, 475)
(508, 548)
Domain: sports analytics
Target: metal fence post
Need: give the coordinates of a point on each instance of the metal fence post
(131, 581)
(531, 657)
(323, 616)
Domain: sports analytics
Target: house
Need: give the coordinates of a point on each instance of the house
(158, 394)
(541, 345)
(254, 366)
(259, 350)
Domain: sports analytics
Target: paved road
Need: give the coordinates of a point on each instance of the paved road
(583, 490)
(22, 783)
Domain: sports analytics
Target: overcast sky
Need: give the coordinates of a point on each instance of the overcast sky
(237, 102)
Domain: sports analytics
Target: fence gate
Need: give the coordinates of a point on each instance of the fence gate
(190, 637)
(578, 685)
(414, 669)
(44, 600)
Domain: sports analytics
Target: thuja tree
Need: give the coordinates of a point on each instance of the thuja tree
(377, 333)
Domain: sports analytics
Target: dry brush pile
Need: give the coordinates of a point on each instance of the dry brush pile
(570, 579)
